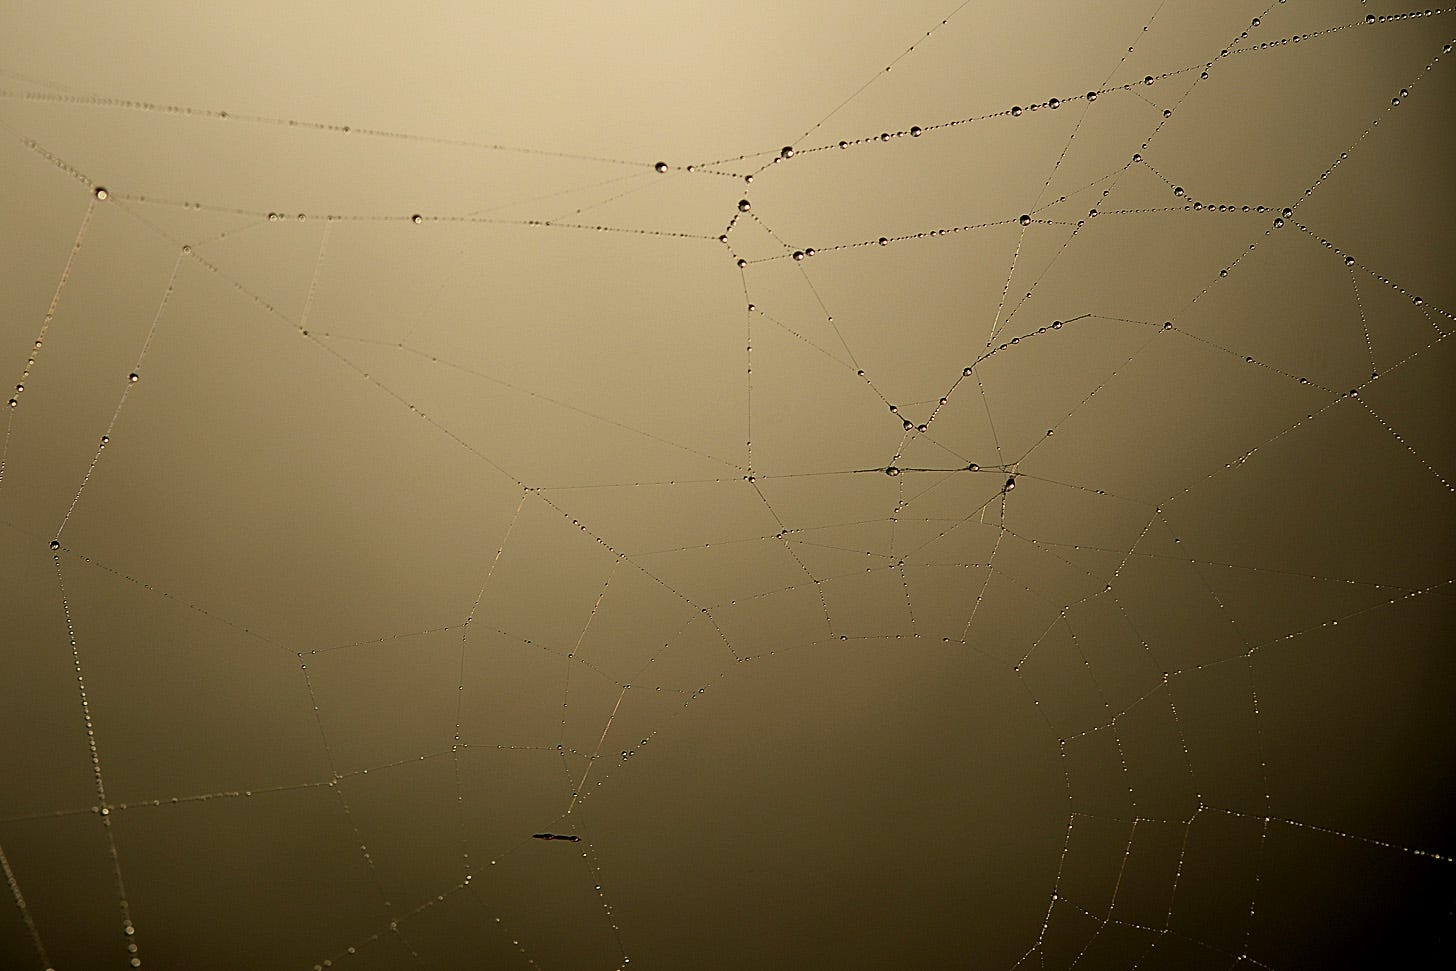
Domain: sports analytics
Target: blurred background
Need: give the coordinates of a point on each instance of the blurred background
(904, 485)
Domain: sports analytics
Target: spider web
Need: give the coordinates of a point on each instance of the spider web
(1004, 520)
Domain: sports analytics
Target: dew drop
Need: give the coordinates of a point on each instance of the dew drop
(884, 241)
(1178, 190)
(101, 193)
(1010, 483)
(1091, 95)
(798, 255)
(1016, 111)
(55, 544)
(417, 219)
(134, 377)
(915, 131)
(843, 144)
(973, 467)
(661, 167)
(744, 205)
(1025, 220)
(1349, 261)
(892, 471)
(786, 152)
(742, 263)
(1278, 222)
(1054, 103)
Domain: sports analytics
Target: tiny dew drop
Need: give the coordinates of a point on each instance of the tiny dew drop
(1091, 95)
(1010, 483)
(1025, 220)
(661, 167)
(101, 193)
(1016, 111)
(1349, 261)
(417, 219)
(892, 470)
(915, 131)
(744, 205)
(55, 544)
(1054, 103)
(786, 152)
(134, 377)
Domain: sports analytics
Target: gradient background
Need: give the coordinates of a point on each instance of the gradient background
(540, 514)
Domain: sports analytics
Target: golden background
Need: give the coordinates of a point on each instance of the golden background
(470, 489)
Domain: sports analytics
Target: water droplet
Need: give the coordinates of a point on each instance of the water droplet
(744, 205)
(417, 219)
(1016, 111)
(809, 251)
(884, 241)
(1056, 325)
(1054, 103)
(55, 544)
(1417, 301)
(843, 144)
(1177, 190)
(101, 193)
(1010, 483)
(798, 255)
(973, 467)
(1167, 112)
(1025, 220)
(1278, 223)
(1148, 79)
(105, 440)
(915, 131)
(1091, 95)
(1349, 261)
(134, 377)
(742, 262)
(661, 167)
(892, 471)
(786, 152)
